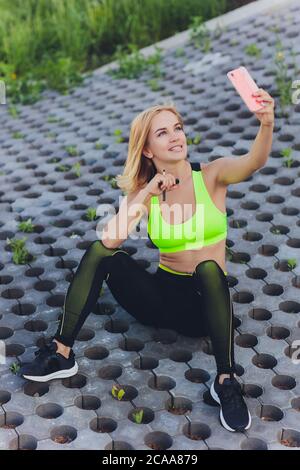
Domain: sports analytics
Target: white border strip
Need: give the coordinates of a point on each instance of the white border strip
(254, 8)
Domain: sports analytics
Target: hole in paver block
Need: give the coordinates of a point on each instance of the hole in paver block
(36, 325)
(6, 280)
(296, 281)
(284, 382)
(87, 402)
(66, 264)
(278, 332)
(273, 289)
(141, 415)
(294, 242)
(289, 438)
(290, 306)
(23, 442)
(103, 424)
(110, 372)
(295, 403)
(44, 240)
(55, 251)
(256, 273)
(118, 445)
(6, 234)
(23, 309)
(44, 285)
(11, 420)
(179, 405)
(14, 350)
(161, 382)
(251, 237)
(56, 300)
(264, 361)
(130, 392)
(36, 389)
(63, 434)
(266, 217)
(146, 363)
(12, 293)
(80, 233)
(252, 443)
(158, 440)
(181, 355)
(197, 375)
(34, 272)
(260, 314)
(267, 250)
(49, 410)
(4, 397)
(246, 340)
(131, 344)
(196, 431)
(77, 381)
(85, 334)
(96, 353)
(269, 413)
(62, 223)
(5, 332)
(251, 390)
(116, 326)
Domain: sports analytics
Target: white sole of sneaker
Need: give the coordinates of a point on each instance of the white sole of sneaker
(226, 426)
(60, 374)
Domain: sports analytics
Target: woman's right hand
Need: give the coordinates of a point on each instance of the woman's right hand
(161, 182)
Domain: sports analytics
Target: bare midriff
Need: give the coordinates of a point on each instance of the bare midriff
(186, 261)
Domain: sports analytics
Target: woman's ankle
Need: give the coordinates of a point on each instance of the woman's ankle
(62, 349)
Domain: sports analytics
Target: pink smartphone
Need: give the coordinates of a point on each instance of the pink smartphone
(245, 86)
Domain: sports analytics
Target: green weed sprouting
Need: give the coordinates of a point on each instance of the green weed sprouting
(91, 213)
(138, 416)
(15, 367)
(286, 154)
(253, 50)
(20, 253)
(71, 150)
(117, 392)
(134, 63)
(26, 226)
(76, 168)
(118, 135)
(292, 263)
(199, 34)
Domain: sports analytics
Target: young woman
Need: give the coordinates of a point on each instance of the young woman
(189, 291)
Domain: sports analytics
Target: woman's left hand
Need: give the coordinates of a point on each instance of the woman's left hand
(266, 115)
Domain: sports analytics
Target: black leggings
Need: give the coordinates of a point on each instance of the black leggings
(197, 305)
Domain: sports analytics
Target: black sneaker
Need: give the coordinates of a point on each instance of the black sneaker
(234, 414)
(49, 365)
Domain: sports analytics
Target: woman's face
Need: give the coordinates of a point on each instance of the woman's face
(166, 132)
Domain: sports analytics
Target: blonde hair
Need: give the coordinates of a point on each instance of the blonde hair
(138, 169)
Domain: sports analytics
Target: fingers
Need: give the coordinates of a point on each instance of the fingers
(169, 182)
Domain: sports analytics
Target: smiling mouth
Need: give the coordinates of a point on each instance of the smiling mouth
(176, 149)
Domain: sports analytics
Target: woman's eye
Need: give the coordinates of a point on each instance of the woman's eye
(177, 128)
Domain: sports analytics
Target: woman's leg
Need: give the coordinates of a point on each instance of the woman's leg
(133, 287)
(217, 312)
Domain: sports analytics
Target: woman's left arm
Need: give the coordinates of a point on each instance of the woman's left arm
(230, 170)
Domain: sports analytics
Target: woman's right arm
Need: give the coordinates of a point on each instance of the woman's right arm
(132, 208)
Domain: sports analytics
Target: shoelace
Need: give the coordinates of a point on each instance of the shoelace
(232, 394)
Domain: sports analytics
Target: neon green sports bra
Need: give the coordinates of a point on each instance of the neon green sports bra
(208, 224)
